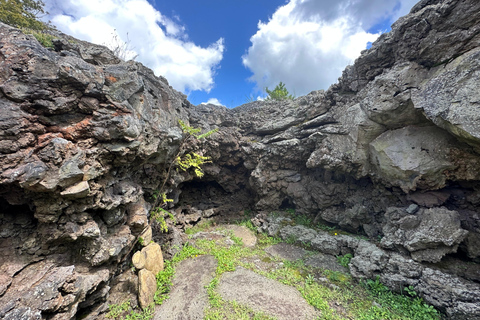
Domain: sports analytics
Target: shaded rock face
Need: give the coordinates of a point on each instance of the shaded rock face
(86, 138)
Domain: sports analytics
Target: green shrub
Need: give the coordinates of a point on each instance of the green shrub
(279, 93)
(22, 13)
(45, 39)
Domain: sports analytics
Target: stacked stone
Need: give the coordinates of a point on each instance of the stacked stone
(149, 262)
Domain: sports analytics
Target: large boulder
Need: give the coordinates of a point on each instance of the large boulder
(428, 234)
(413, 157)
(450, 97)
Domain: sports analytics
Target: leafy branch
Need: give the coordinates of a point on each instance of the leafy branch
(23, 13)
(183, 162)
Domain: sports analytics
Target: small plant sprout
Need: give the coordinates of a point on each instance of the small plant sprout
(344, 260)
(309, 280)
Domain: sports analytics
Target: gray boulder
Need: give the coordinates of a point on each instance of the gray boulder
(413, 157)
(428, 234)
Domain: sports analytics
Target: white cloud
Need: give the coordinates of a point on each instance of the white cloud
(307, 43)
(160, 42)
(214, 101)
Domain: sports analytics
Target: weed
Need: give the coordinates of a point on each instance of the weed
(296, 264)
(264, 240)
(228, 258)
(121, 49)
(164, 282)
(344, 260)
(375, 285)
(146, 314)
(303, 220)
(291, 239)
(324, 227)
(202, 226)
(45, 39)
(410, 291)
(233, 311)
(124, 311)
(158, 214)
(404, 306)
(248, 224)
(309, 279)
(338, 277)
(116, 310)
(250, 98)
(317, 296)
(346, 300)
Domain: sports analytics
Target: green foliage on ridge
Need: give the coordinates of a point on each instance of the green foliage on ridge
(279, 93)
(22, 13)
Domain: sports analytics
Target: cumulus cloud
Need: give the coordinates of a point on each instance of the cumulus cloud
(307, 43)
(158, 41)
(214, 101)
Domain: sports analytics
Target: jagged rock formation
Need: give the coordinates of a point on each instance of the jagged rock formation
(391, 151)
(83, 137)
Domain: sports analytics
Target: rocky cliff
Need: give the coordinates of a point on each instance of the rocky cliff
(391, 152)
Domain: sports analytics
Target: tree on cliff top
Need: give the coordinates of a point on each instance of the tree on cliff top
(279, 93)
(22, 13)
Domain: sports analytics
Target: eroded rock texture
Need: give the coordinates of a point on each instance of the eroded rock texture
(83, 137)
(388, 152)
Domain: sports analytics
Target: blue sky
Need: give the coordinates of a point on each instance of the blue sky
(228, 51)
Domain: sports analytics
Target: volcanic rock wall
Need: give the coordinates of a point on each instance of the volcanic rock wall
(402, 126)
(83, 137)
(392, 151)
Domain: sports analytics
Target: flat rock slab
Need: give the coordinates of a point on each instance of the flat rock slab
(188, 297)
(286, 251)
(248, 237)
(325, 261)
(265, 295)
